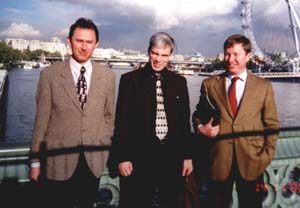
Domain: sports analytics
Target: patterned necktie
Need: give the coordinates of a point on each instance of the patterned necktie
(161, 125)
(82, 87)
(232, 95)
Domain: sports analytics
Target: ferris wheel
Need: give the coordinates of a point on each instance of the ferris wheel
(279, 13)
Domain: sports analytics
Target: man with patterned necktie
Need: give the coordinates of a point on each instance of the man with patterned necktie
(75, 110)
(243, 139)
(150, 148)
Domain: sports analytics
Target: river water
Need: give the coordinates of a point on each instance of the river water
(20, 107)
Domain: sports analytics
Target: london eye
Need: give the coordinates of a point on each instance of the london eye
(273, 27)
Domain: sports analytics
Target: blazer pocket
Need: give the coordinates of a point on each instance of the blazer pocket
(256, 146)
(257, 142)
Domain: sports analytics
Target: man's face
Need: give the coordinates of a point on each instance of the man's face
(159, 57)
(236, 59)
(82, 43)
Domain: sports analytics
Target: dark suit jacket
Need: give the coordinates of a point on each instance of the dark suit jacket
(256, 115)
(61, 123)
(136, 112)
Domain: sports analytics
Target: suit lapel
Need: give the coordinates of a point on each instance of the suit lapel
(166, 87)
(147, 81)
(69, 85)
(249, 93)
(220, 89)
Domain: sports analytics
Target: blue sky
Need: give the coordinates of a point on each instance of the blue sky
(202, 25)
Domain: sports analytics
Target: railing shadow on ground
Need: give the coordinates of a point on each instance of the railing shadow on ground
(18, 192)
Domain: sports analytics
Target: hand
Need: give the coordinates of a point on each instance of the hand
(125, 168)
(209, 130)
(34, 173)
(187, 167)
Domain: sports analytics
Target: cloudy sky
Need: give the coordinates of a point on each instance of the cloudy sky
(200, 25)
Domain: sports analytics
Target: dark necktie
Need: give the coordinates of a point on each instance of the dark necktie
(232, 95)
(82, 87)
(161, 125)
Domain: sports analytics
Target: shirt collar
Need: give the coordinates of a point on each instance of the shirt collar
(242, 76)
(76, 65)
(153, 72)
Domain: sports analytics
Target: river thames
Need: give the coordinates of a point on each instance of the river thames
(20, 105)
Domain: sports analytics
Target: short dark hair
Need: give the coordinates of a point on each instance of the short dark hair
(84, 23)
(237, 39)
(161, 38)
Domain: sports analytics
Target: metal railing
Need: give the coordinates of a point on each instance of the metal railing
(282, 177)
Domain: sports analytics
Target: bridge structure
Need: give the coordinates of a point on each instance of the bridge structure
(132, 62)
(266, 75)
(136, 63)
(279, 75)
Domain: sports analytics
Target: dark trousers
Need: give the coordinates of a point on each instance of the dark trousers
(80, 190)
(155, 181)
(250, 195)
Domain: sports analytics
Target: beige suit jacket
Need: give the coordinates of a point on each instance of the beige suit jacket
(61, 123)
(256, 114)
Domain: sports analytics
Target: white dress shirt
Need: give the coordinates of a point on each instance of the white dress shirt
(75, 69)
(240, 85)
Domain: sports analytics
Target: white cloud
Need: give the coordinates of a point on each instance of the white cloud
(65, 11)
(170, 13)
(20, 30)
(63, 32)
(167, 13)
(273, 13)
(219, 25)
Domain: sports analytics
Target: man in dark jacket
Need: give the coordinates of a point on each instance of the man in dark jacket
(152, 130)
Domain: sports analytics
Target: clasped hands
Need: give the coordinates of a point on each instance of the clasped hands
(209, 130)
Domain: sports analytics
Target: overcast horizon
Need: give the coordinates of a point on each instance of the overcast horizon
(196, 25)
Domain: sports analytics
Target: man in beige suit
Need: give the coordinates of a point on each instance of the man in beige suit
(242, 128)
(75, 110)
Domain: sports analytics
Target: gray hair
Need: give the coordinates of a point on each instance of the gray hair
(161, 38)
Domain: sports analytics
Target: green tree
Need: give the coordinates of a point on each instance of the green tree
(16, 55)
(6, 53)
(55, 54)
(218, 64)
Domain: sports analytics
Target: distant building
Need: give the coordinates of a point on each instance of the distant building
(34, 45)
(19, 44)
(282, 54)
(106, 53)
(54, 45)
(133, 55)
(178, 57)
(195, 58)
(220, 56)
